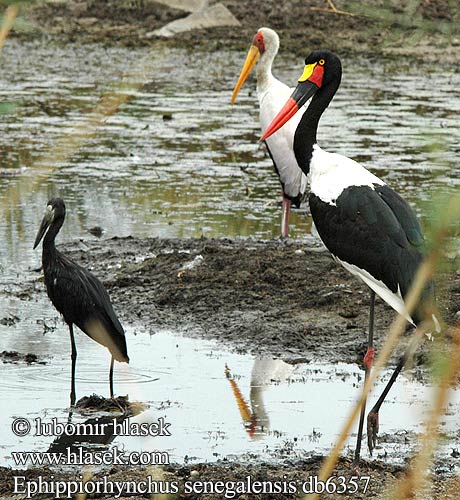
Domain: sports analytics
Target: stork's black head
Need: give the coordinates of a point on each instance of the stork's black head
(54, 217)
(323, 70)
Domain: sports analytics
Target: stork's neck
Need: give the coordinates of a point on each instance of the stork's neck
(305, 134)
(49, 247)
(264, 69)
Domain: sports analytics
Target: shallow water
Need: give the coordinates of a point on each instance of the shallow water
(202, 171)
(284, 411)
(178, 160)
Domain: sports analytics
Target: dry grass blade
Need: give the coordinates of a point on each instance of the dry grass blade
(87, 475)
(447, 212)
(332, 9)
(11, 13)
(408, 486)
(158, 476)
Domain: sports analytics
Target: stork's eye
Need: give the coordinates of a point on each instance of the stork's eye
(321, 62)
(259, 42)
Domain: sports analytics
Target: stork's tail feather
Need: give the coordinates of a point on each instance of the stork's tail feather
(107, 336)
(118, 349)
(119, 357)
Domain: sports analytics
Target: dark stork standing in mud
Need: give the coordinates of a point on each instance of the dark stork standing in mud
(78, 295)
(272, 94)
(368, 228)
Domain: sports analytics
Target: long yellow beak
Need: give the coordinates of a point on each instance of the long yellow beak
(251, 60)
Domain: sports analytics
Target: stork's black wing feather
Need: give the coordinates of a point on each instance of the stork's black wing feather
(405, 215)
(82, 299)
(375, 230)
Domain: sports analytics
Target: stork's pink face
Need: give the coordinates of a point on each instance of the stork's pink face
(255, 51)
(259, 42)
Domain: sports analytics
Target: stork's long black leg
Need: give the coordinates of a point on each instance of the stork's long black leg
(368, 360)
(74, 360)
(111, 377)
(373, 417)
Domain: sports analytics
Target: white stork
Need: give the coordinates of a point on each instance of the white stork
(272, 94)
(367, 227)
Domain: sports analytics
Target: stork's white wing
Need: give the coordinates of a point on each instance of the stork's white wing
(281, 143)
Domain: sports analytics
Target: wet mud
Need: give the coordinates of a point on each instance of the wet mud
(296, 472)
(371, 27)
(17, 357)
(284, 299)
(287, 299)
(119, 404)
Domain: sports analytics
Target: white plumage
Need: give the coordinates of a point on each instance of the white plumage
(368, 228)
(331, 173)
(272, 94)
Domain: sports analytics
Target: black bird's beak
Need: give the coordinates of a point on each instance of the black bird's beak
(46, 221)
(309, 83)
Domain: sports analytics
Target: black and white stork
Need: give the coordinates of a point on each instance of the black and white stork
(78, 295)
(368, 228)
(272, 94)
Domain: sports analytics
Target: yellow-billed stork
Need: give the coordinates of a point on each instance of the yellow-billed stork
(272, 94)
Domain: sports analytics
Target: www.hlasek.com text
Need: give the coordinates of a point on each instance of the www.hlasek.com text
(80, 456)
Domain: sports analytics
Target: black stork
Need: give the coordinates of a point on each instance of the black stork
(78, 295)
(368, 228)
(272, 93)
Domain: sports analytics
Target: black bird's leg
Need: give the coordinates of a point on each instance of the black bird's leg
(373, 417)
(74, 360)
(368, 360)
(111, 378)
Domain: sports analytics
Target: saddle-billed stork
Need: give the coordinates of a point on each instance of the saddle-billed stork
(368, 228)
(272, 94)
(78, 295)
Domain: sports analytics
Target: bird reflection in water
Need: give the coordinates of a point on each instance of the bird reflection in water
(265, 372)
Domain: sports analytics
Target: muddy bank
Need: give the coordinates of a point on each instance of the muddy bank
(279, 298)
(374, 28)
(17, 357)
(293, 472)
